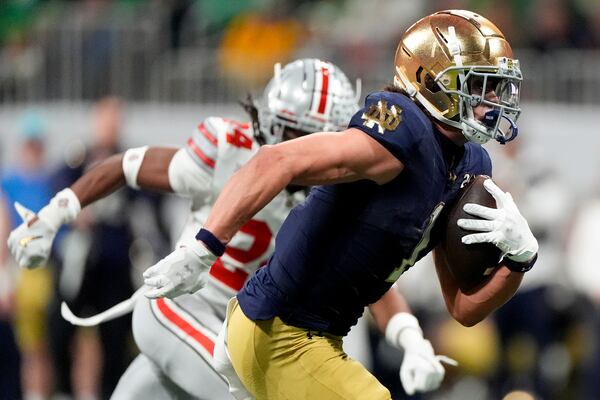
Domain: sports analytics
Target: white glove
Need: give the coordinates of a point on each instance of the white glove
(421, 369)
(503, 226)
(183, 271)
(30, 243)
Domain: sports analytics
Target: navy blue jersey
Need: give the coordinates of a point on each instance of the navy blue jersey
(343, 248)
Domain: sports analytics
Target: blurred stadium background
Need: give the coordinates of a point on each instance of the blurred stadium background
(174, 62)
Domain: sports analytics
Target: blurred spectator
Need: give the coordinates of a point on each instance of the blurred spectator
(97, 47)
(346, 27)
(584, 270)
(254, 41)
(216, 15)
(20, 64)
(94, 265)
(177, 16)
(529, 325)
(85, 49)
(16, 15)
(593, 10)
(10, 363)
(29, 184)
(557, 26)
(20, 58)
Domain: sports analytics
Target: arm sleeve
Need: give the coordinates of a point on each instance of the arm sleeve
(186, 178)
(202, 146)
(192, 168)
(392, 120)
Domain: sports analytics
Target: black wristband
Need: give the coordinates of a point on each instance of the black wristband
(516, 266)
(211, 242)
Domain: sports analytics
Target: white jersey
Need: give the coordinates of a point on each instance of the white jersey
(219, 148)
(177, 336)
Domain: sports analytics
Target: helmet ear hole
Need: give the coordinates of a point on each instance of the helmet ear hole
(418, 74)
(428, 80)
(431, 84)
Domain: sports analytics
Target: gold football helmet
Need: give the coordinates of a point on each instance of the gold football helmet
(452, 61)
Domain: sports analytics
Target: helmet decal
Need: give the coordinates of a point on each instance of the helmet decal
(307, 95)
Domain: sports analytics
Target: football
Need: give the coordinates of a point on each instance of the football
(471, 264)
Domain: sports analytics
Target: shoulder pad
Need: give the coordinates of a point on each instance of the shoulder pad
(203, 145)
(393, 120)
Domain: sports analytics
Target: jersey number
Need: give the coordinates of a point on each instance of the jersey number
(262, 235)
(421, 245)
(238, 139)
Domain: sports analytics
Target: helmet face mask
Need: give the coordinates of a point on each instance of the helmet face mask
(453, 62)
(305, 96)
(495, 88)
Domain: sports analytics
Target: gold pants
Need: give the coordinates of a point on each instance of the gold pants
(33, 292)
(276, 361)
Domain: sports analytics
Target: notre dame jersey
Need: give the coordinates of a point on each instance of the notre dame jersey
(346, 244)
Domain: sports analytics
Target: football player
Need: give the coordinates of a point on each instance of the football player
(385, 180)
(177, 336)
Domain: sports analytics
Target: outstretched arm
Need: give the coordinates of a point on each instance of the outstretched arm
(317, 159)
(30, 243)
(108, 176)
(471, 308)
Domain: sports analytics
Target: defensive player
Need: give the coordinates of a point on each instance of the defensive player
(176, 337)
(385, 180)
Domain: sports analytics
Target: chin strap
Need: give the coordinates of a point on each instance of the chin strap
(490, 120)
(514, 132)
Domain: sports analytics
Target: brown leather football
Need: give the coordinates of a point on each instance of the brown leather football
(470, 264)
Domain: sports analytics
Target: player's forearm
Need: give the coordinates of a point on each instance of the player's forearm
(316, 159)
(154, 171)
(109, 175)
(471, 308)
(390, 304)
(100, 181)
(248, 191)
(476, 306)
